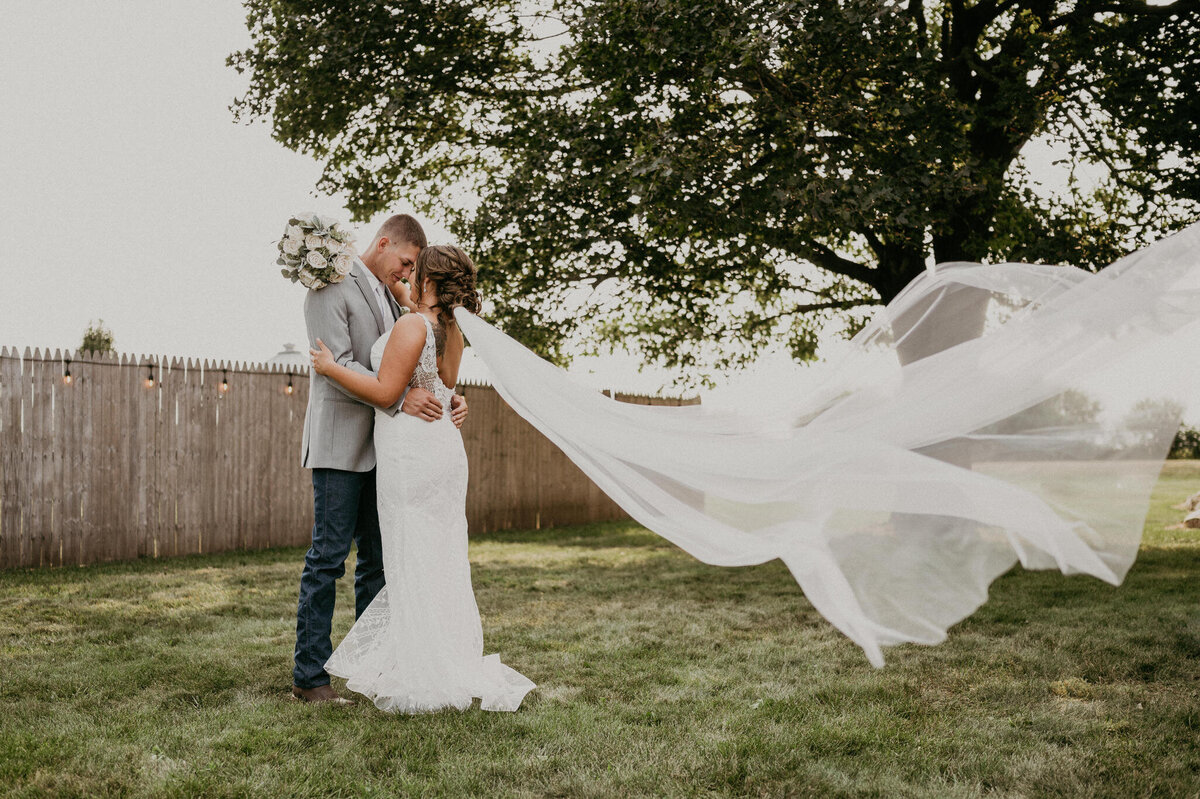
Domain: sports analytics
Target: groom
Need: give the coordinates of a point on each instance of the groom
(349, 316)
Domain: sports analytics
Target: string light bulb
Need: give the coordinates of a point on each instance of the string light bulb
(149, 375)
(290, 388)
(224, 381)
(67, 379)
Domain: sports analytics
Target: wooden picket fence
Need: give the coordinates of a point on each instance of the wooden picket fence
(142, 456)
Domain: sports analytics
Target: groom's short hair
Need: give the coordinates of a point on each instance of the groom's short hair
(403, 227)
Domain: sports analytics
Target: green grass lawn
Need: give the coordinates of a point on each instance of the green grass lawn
(658, 676)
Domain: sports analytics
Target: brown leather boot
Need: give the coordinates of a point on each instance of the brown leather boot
(322, 693)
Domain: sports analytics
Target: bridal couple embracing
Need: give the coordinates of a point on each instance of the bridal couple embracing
(389, 473)
(856, 484)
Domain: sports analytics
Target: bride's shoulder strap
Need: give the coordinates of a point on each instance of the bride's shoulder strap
(405, 334)
(429, 330)
(408, 322)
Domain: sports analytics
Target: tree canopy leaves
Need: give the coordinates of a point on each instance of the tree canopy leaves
(695, 178)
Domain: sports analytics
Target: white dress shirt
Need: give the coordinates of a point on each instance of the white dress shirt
(381, 297)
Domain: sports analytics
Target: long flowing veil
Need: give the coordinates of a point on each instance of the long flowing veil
(987, 415)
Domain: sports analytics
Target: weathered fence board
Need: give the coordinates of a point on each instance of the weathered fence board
(140, 456)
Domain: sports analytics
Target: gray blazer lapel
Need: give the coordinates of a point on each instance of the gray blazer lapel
(395, 307)
(360, 277)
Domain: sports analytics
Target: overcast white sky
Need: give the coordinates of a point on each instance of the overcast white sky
(128, 194)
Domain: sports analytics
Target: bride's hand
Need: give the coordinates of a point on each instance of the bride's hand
(403, 294)
(322, 359)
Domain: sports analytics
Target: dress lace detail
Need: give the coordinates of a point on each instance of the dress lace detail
(419, 646)
(425, 375)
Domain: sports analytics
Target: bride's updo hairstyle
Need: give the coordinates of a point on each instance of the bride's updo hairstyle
(453, 277)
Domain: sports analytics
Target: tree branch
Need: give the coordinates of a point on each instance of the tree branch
(1144, 9)
(832, 305)
(874, 241)
(826, 258)
(916, 10)
(841, 305)
(1085, 12)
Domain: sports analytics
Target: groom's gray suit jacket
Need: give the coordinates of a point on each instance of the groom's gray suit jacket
(338, 428)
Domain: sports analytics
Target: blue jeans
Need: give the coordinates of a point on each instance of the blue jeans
(344, 511)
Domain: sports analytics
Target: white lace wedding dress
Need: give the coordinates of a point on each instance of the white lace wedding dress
(418, 647)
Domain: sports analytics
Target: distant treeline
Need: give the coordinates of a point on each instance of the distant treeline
(1186, 445)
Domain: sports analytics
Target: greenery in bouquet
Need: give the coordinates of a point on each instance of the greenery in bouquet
(315, 251)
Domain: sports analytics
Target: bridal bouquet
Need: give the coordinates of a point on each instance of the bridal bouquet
(315, 251)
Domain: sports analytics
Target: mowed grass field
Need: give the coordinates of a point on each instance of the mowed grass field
(658, 676)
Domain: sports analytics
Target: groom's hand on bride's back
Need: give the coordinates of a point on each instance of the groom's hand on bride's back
(458, 410)
(422, 404)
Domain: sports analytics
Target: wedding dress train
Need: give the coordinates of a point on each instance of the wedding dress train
(987, 415)
(419, 645)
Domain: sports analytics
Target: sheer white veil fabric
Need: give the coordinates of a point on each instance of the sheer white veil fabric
(980, 419)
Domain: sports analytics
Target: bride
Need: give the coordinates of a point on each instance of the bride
(419, 646)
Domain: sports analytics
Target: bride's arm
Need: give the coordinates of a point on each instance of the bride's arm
(396, 367)
(403, 294)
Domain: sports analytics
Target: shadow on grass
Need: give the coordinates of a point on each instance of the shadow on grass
(600, 535)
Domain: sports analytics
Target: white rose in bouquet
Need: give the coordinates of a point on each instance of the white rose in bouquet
(315, 251)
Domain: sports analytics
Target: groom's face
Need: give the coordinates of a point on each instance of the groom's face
(401, 258)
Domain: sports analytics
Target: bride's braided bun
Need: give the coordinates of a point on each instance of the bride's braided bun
(453, 277)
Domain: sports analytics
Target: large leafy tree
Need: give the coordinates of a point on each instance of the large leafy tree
(694, 178)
